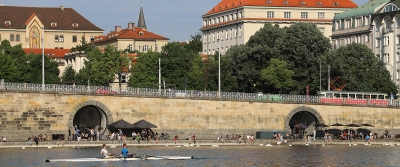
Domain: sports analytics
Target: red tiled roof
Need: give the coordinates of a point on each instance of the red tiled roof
(232, 4)
(138, 34)
(268, 19)
(51, 53)
(21, 15)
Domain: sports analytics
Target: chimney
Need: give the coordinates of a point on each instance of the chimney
(133, 26)
(117, 28)
(62, 7)
(129, 26)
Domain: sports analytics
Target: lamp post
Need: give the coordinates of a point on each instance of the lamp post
(392, 72)
(43, 87)
(319, 74)
(219, 68)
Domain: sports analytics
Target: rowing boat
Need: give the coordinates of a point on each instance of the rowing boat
(120, 159)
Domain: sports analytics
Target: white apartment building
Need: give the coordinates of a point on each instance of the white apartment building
(233, 22)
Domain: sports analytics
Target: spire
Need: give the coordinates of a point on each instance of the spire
(141, 21)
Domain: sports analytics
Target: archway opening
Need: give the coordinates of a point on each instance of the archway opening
(90, 117)
(306, 118)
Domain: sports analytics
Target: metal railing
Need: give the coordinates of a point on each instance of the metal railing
(193, 94)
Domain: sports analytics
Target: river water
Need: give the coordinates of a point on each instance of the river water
(330, 155)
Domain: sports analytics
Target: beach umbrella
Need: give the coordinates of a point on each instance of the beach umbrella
(353, 125)
(143, 124)
(322, 125)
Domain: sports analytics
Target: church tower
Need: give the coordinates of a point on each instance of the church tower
(141, 21)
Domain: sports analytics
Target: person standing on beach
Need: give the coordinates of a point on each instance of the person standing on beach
(194, 139)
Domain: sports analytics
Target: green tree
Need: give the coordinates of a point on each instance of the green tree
(195, 75)
(51, 71)
(145, 71)
(195, 44)
(69, 75)
(8, 68)
(277, 75)
(357, 66)
(103, 68)
(176, 61)
(83, 46)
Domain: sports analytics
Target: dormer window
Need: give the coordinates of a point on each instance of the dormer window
(302, 3)
(226, 6)
(336, 4)
(240, 3)
(219, 8)
(319, 3)
(141, 33)
(53, 24)
(233, 5)
(74, 24)
(268, 2)
(286, 2)
(7, 23)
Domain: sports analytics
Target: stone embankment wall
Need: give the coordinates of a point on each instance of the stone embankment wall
(31, 113)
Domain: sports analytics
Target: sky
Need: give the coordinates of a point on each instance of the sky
(174, 19)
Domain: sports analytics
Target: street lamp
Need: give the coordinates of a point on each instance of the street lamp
(319, 74)
(392, 72)
(43, 87)
(219, 68)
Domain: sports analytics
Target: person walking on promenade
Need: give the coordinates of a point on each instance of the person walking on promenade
(176, 138)
(190, 139)
(30, 141)
(138, 138)
(194, 139)
(314, 134)
(367, 138)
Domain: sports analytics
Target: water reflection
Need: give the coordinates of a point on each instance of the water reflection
(332, 155)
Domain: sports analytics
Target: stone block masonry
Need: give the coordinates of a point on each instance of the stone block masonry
(30, 113)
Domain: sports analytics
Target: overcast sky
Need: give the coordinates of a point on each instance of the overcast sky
(174, 19)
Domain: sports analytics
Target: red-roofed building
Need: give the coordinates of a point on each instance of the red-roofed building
(132, 38)
(235, 21)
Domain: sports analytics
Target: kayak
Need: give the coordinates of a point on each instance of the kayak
(120, 159)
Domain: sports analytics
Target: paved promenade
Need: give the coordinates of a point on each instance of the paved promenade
(182, 143)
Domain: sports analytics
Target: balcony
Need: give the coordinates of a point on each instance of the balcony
(386, 30)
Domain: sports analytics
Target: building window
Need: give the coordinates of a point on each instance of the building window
(55, 38)
(61, 38)
(226, 34)
(74, 38)
(230, 34)
(321, 15)
(377, 42)
(11, 37)
(17, 37)
(385, 41)
(391, 8)
(270, 14)
(304, 15)
(130, 47)
(235, 33)
(240, 31)
(287, 14)
(91, 38)
(145, 48)
(123, 79)
(398, 40)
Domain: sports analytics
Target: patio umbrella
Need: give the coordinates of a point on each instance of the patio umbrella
(300, 126)
(143, 124)
(337, 124)
(353, 125)
(322, 125)
(367, 125)
(121, 124)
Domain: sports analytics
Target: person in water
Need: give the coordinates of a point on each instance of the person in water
(105, 153)
(125, 151)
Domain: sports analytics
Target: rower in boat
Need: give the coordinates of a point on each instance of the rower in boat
(105, 153)
(125, 151)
